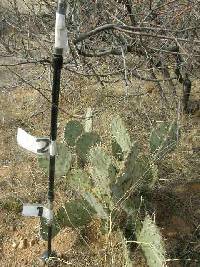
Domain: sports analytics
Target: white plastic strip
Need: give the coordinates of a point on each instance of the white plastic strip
(33, 144)
(53, 148)
(47, 214)
(60, 32)
(37, 210)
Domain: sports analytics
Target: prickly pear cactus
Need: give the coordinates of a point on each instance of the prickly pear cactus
(142, 175)
(72, 132)
(139, 174)
(126, 253)
(101, 184)
(63, 161)
(125, 179)
(97, 205)
(121, 136)
(117, 150)
(164, 138)
(101, 169)
(83, 145)
(75, 213)
(152, 243)
(44, 228)
(79, 180)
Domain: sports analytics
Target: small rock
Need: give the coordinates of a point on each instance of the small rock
(15, 244)
(33, 242)
(13, 228)
(23, 243)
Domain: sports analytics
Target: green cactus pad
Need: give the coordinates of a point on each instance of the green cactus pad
(63, 161)
(75, 213)
(126, 177)
(83, 145)
(163, 138)
(152, 243)
(73, 130)
(44, 228)
(79, 180)
(96, 205)
(117, 150)
(125, 250)
(142, 176)
(120, 134)
(138, 175)
(100, 169)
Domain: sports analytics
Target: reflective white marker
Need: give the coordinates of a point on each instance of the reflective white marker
(37, 210)
(33, 144)
(60, 32)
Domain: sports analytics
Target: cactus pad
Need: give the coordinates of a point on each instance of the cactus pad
(63, 161)
(44, 228)
(120, 134)
(152, 243)
(96, 205)
(73, 130)
(117, 150)
(163, 138)
(79, 180)
(84, 143)
(75, 213)
(138, 175)
(100, 169)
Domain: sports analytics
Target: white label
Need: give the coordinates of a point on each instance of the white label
(33, 144)
(53, 148)
(60, 32)
(60, 21)
(37, 210)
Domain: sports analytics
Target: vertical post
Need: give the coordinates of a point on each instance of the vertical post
(60, 45)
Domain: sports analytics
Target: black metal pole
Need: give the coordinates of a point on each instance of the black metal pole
(57, 65)
(60, 44)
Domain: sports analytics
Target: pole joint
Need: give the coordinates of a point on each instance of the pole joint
(57, 61)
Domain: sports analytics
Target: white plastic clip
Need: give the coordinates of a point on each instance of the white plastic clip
(52, 148)
(37, 210)
(33, 144)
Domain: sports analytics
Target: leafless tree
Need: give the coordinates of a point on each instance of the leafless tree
(148, 40)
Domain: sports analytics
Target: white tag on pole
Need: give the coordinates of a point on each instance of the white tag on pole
(33, 144)
(61, 40)
(37, 210)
